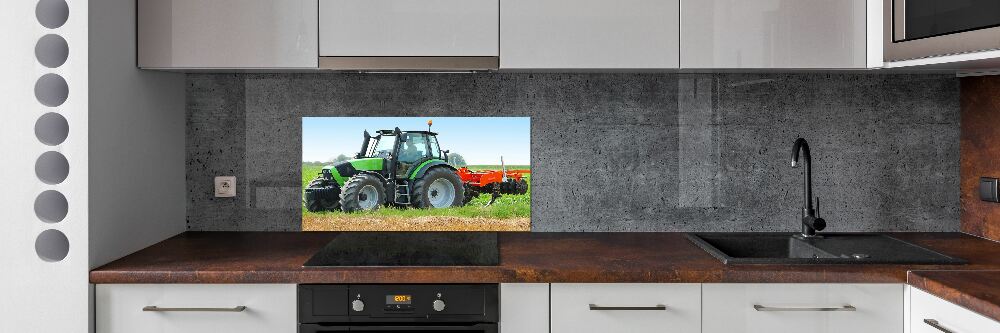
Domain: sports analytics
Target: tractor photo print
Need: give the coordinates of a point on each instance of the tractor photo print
(416, 173)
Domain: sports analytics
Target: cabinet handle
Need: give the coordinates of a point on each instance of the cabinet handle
(935, 324)
(154, 308)
(759, 307)
(595, 307)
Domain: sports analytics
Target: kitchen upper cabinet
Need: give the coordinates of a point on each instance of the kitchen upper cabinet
(406, 28)
(192, 34)
(779, 34)
(589, 34)
(930, 314)
(196, 308)
(626, 307)
(804, 308)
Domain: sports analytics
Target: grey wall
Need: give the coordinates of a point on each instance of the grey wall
(136, 140)
(615, 152)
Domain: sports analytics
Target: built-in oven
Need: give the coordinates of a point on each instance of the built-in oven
(385, 308)
(916, 29)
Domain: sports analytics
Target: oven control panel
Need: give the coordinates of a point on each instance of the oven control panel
(396, 303)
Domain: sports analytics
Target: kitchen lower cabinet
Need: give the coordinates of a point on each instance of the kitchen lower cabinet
(930, 314)
(524, 308)
(625, 307)
(803, 308)
(196, 308)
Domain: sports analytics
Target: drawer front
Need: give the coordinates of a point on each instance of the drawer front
(734, 308)
(634, 308)
(946, 315)
(269, 308)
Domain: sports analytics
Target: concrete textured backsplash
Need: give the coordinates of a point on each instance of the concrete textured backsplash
(615, 152)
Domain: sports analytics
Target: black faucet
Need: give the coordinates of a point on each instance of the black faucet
(810, 221)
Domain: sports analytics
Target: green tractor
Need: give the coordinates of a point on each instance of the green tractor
(395, 168)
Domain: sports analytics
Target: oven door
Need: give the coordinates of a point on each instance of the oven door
(916, 29)
(471, 328)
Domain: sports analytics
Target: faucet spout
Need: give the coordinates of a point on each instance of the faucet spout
(810, 222)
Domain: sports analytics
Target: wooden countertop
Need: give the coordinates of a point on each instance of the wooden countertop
(277, 257)
(978, 291)
(270, 257)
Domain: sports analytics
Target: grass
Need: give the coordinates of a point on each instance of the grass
(506, 207)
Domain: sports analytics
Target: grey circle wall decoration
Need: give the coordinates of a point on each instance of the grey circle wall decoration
(51, 129)
(52, 245)
(51, 90)
(51, 206)
(51, 51)
(52, 167)
(52, 13)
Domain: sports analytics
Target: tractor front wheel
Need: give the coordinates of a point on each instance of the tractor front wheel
(322, 196)
(440, 187)
(362, 192)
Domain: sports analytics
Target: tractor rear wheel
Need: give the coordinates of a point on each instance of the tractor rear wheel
(321, 196)
(440, 187)
(362, 192)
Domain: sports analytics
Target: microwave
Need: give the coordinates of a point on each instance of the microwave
(915, 29)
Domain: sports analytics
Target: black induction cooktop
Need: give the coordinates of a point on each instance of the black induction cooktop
(409, 249)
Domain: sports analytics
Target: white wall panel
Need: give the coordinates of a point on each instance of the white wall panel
(40, 295)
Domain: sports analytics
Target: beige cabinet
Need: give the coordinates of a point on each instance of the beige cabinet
(804, 308)
(930, 314)
(626, 307)
(589, 34)
(196, 308)
(221, 34)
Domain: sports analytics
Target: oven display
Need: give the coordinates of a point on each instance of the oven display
(398, 299)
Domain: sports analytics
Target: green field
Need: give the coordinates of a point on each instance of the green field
(506, 207)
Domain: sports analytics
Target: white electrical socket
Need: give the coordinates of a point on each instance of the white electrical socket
(225, 187)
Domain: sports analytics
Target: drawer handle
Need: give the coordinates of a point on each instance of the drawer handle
(595, 307)
(759, 307)
(935, 324)
(154, 308)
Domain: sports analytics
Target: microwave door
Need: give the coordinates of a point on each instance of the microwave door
(916, 29)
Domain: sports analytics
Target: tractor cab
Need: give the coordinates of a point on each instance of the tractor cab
(401, 150)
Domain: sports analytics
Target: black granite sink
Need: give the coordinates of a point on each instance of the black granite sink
(834, 248)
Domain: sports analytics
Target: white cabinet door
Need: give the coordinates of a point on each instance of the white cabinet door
(773, 34)
(524, 308)
(270, 308)
(927, 310)
(626, 307)
(803, 308)
(588, 34)
(424, 28)
(227, 33)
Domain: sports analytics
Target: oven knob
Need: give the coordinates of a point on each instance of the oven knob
(358, 305)
(438, 305)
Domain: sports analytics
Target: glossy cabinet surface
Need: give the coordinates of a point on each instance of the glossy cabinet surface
(227, 34)
(730, 308)
(428, 28)
(774, 33)
(270, 308)
(626, 307)
(524, 308)
(927, 309)
(585, 34)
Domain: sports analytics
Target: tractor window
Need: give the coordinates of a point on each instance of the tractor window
(384, 147)
(413, 149)
(435, 150)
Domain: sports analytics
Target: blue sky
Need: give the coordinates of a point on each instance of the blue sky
(481, 140)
